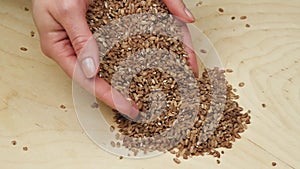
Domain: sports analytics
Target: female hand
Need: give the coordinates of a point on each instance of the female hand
(65, 37)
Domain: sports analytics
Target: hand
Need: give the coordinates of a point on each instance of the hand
(64, 35)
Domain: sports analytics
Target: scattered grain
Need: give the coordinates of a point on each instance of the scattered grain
(113, 144)
(176, 160)
(199, 3)
(229, 70)
(264, 105)
(25, 148)
(203, 51)
(112, 128)
(218, 161)
(14, 142)
(62, 106)
(121, 157)
(243, 17)
(274, 164)
(26, 9)
(233, 18)
(221, 10)
(241, 84)
(95, 105)
(247, 25)
(23, 49)
(32, 33)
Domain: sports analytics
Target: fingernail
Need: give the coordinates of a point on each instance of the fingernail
(189, 14)
(134, 113)
(88, 67)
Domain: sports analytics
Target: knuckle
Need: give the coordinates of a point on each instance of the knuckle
(78, 42)
(67, 7)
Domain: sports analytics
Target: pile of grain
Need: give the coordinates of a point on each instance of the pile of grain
(181, 123)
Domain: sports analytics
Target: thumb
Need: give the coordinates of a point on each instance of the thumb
(177, 8)
(84, 45)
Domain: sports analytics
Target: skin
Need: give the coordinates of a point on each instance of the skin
(65, 37)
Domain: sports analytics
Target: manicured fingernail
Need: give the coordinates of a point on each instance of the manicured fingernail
(134, 113)
(189, 14)
(88, 67)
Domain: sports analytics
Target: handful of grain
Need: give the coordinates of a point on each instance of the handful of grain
(210, 122)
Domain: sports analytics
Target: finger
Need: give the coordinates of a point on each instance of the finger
(89, 57)
(98, 87)
(177, 8)
(68, 61)
(188, 47)
(83, 43)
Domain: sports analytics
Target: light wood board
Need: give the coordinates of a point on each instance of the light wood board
(265, 56)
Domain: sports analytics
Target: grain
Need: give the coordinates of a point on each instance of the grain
(62, 106)
(229, 70)
(264, 105)
(241, 84)
(233, 18)
(112, 128)
(25, 148)
(95, 105)
(219, 120)
(221, 10)
(113, 144)
(243, 17)
(121, 157)
(26, 9)
(203, 51)
(218, 161)
(247, 25)
(199, 3)
(32, 33)
(23, 49)
(176, 160)
(185, 156)
(135, 152)
(14, 142)
(118, 145)
(274, 164)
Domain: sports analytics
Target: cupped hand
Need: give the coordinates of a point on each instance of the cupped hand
(65, 37)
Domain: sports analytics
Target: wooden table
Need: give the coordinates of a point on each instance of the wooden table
(266, 56)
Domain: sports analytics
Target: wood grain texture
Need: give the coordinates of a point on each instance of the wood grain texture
(266, 56)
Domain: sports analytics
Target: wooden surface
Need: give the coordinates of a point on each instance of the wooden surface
(265, 56)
